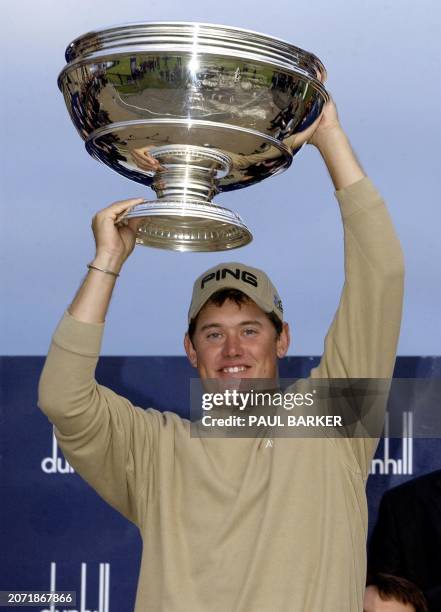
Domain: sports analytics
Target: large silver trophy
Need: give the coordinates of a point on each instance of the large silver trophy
(191, 110)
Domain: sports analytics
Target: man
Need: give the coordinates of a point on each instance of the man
(230, 524)
(386, 593)
(406, 540)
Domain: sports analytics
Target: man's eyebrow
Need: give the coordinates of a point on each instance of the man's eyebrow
(218, 325)
(208, 325)
(254, 322)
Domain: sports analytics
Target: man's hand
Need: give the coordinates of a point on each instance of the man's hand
(114, 242)
(325, 125)
(327, 135)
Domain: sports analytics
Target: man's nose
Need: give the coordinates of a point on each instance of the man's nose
(232, 346)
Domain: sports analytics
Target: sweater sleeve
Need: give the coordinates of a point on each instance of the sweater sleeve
(103, 436)
(363, 337)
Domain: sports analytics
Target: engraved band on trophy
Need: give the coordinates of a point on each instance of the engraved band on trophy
(191, 110)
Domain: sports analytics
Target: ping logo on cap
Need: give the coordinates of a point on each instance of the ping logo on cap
(238, 274)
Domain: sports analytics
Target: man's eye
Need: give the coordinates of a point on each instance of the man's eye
(249, 331)
(214, 335)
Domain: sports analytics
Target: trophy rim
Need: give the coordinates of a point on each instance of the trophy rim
(83, 48)
(222, 218)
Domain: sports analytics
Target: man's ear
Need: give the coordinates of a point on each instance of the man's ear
(190, 350)
(283, 341)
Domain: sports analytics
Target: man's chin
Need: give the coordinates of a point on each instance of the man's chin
(219, 384)
(240, 381)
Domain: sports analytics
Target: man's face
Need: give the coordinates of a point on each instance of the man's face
(373, 603)
(232, 341)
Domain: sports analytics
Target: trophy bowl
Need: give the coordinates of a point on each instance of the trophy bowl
(190, 109)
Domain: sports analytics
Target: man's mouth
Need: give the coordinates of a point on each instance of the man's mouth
(234, 369)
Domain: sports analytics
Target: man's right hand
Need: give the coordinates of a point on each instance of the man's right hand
(114, 243)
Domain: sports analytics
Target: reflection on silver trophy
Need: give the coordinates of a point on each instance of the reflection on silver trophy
(191, 110)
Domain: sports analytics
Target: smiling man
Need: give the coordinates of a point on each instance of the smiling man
(236, 327)
(232, 524)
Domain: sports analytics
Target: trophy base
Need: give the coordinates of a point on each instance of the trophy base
(190, 225)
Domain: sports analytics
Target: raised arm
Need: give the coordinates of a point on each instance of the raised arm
(113, 246)
(331, 141)
(104, 437)
(362, 339)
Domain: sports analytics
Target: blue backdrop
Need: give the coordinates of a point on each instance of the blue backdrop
(56, 532)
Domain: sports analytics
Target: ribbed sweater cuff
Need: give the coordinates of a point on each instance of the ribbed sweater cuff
(361, 195)
(79, 337)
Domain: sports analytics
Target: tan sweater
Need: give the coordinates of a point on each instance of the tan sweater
(235, 525)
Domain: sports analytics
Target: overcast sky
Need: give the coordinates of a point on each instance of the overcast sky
(383, 62)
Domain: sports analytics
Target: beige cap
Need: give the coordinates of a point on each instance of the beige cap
(251, 281)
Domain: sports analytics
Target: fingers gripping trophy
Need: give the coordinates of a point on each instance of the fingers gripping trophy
(190, 110)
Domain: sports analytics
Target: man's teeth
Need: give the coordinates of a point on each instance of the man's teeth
(234, 370)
